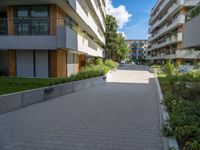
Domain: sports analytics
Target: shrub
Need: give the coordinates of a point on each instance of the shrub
(183, 106)
(194, 145)
(166, 129)
(169, 68)
(111, 64)
(99, 61)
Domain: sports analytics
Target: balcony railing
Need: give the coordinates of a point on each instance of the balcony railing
(187, 54)
(179, 20)
(32, 26)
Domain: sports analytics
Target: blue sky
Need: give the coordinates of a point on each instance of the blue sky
(134, 16)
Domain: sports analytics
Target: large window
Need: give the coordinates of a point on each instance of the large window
(32, 20)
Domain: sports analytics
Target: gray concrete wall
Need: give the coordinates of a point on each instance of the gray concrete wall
(191, 35)
(11, 102)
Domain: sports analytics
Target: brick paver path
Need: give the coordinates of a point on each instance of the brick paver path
(122, 115)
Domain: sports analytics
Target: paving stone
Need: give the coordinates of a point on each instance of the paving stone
(121, 115)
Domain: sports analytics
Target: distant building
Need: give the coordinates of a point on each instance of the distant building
(137, 49)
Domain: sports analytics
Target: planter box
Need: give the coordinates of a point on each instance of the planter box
(14, 101)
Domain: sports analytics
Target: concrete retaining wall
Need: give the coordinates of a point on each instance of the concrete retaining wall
(168, 142)
(14, 101)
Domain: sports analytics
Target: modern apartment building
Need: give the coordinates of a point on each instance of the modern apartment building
(137, 49)
(192, 30)
(166, 31)
(50, 38)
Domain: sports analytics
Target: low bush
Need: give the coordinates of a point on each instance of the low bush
(111, 64)
(183, 105)
(169, 68)
(99, 61)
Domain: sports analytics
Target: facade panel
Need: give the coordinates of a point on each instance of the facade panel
(41, 64)
(25, 63)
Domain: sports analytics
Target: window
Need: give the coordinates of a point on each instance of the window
(32, 20)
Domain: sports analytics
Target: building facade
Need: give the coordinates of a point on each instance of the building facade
(191, 29)
(137, 49)
(166, 32)
(50, 38)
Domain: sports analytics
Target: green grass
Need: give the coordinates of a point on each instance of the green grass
(14, 84)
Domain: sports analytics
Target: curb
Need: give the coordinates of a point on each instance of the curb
(168, 142)
(14, 101)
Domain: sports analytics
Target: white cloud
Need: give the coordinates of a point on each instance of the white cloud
(123, 34)
(120, 13)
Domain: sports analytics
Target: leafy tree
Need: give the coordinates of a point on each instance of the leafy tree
(111, 36)
(116, 48)
(123, 49)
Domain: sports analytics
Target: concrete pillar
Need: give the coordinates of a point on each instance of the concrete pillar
(58, 63)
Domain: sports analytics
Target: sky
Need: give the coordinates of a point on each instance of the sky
(132, 16)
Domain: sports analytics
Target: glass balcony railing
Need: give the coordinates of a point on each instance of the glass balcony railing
(32, 26)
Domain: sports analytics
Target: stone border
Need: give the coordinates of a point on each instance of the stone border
(14, 101)
(168, 142)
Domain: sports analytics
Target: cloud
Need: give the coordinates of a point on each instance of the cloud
(123, 34)
(120, 13)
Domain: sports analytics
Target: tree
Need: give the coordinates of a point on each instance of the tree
(111, 36)
(123, 49)
(116, 48)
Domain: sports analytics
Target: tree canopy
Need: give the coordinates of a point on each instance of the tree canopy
(116, 48)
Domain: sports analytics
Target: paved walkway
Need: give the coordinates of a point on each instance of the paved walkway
(122, 115)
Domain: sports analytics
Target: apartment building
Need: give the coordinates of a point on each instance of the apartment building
(192, 30)
(166, 31)
(50, 38)
(137, 49)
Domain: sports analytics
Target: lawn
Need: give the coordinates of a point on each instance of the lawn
(14, 84)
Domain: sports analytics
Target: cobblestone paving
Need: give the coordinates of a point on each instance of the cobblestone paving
(122, 115)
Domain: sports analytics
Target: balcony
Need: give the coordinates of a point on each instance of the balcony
(88, 46)
(34, 33)
(179, 20)
(186, 54)
(172, 39)
(174, 7)
(82, 9)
